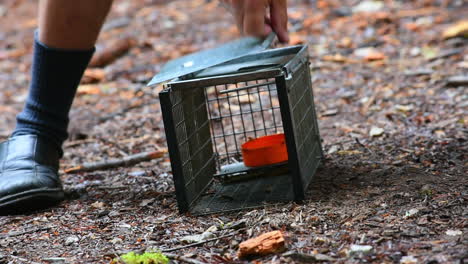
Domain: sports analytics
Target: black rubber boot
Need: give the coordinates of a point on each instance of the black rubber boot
(29, 178)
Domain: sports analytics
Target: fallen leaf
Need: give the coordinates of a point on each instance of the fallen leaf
(348, 152)
(330, 112)
(209, 233)
(334, 58)
(369, 54)
(296, 39)
(11, 54)
(231, 107)
(71, 240)
(116, 240)
(360, 249)
(459, 29)
(404, 108)
(247, 99)
(408, 260)
(333, 149)
(146, 202)
(88, 89)
(374, 55)
(345, 42)
(93, 76)
(429, 52)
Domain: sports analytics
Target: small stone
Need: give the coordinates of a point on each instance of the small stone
(368, 6)
(146, 202)
(454, 232)
(376, 132)
(360, 249)
(208, 234)
(403, 108)
(324, 258)
(125, 226)
(363, 52)
(97, 205)
(234, 244)
(116, 240)
(114, 213)
(138, 173)
(408, 260)
(71, 240)
(411, 213)
(320, 240)
(333, 149)
(415, 51)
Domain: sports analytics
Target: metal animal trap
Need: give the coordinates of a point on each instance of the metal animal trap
(210, 113)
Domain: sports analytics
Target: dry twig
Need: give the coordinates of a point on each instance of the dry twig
(19, 233)
(126, 110)
(113, 163)
(184, 259)
(199, 243)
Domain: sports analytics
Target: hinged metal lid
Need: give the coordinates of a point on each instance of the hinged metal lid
(198, 61)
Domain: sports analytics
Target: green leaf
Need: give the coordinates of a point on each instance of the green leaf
(145, 258)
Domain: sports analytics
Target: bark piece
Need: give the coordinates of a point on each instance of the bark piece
(262, 245)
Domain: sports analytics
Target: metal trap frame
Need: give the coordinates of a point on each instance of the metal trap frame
(209, 114)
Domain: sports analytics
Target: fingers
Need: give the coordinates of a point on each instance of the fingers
(236, 7)
(254, 18)
(279, 19)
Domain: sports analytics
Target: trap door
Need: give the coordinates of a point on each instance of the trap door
(300, 122)
(189, 142)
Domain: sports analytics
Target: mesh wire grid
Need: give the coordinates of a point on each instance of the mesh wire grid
(304, 122)
(239, 112)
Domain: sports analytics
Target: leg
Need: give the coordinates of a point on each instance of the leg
(71, 25)
(63, 47)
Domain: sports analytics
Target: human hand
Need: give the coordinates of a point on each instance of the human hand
(252, 17)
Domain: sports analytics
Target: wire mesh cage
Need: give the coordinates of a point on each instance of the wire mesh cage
(210, 115)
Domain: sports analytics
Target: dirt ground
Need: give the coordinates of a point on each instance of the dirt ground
(392, 117)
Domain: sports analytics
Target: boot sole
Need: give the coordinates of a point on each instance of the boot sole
(29, 201)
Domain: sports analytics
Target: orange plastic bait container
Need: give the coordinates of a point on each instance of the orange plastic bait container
(265, 150)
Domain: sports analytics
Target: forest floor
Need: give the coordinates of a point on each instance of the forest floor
(392, 115)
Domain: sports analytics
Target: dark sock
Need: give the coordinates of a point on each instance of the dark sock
(56, 74)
